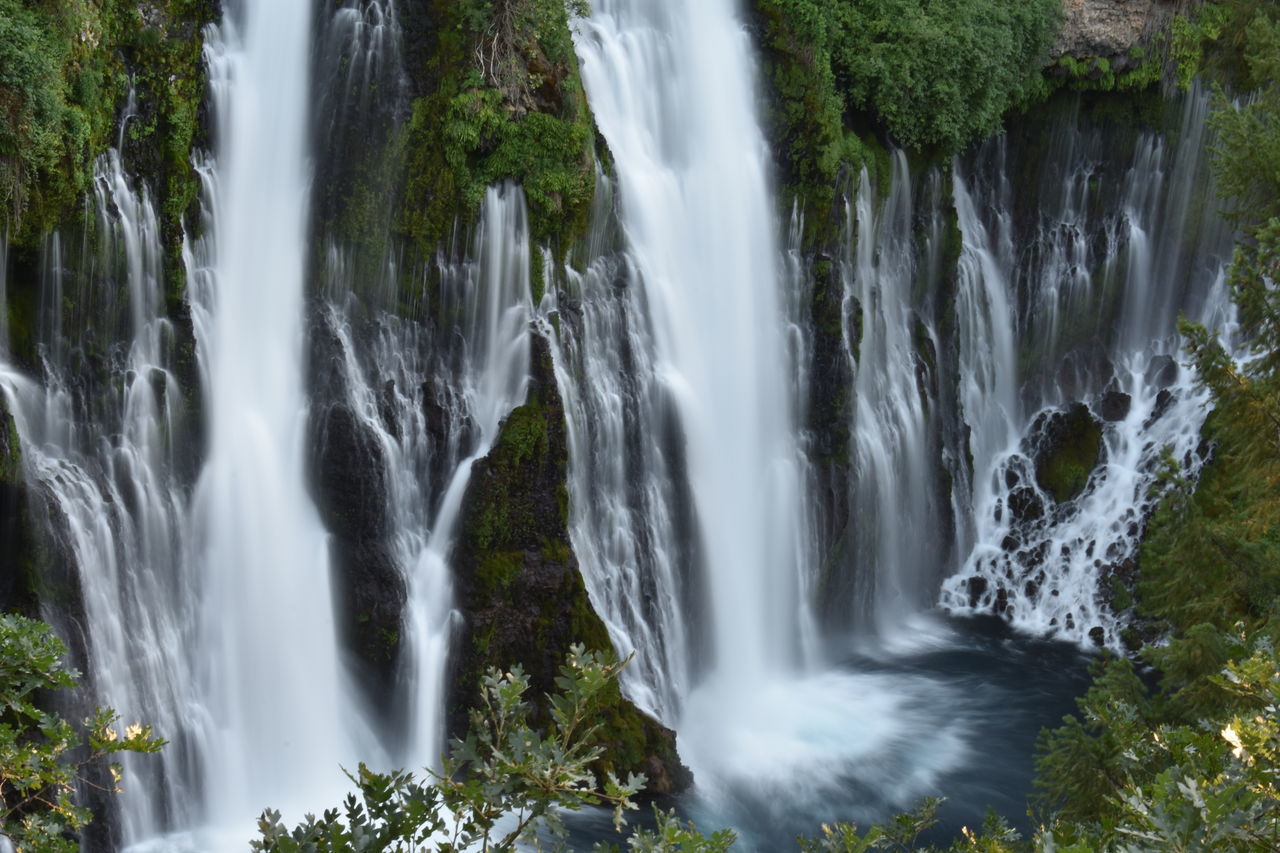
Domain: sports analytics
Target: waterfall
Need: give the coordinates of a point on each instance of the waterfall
(630, 518)
(672, 88)
(102, 466)
(1103, 280)
(894, 430)
(434, 407)
(684, 349)
(4, 295)
(283, 718)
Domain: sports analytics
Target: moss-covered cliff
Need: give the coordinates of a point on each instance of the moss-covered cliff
(495, 96)
(518, 581)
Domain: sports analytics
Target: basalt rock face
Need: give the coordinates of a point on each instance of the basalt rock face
(1110, 29)
(349, 481)
(519, 586)
(14, 527)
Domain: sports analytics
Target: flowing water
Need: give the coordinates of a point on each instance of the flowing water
(808, 674)
(961, 367)
(1083, 311)
(101, 462)
(433, 406)
(282, 711)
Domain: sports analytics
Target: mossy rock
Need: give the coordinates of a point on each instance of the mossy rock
(1068, 448)
(14, 521)
(519, 587)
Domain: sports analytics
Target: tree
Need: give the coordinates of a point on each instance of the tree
(505, 768)
(43, 757)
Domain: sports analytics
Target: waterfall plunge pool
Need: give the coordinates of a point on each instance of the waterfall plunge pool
(951, 707)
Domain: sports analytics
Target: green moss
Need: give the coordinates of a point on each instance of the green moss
(1063, 469)
(496, 571)
(524, 435)
(522, 118)
(1121, 597)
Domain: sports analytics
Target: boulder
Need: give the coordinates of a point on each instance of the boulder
(1114, 406)
(1067, 447)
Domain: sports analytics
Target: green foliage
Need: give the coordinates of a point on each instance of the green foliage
(1187, 38)
(933, 74)
(57, 95)
(42, 756)
(506, 767)
(507, 104)
(1193, 765)
(943, 72)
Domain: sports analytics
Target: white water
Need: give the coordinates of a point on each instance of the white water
(672, 88)
(493, 299)
(705, 349)
(104, 465)
(473, 378)
(282, 715)
(895, 453)
(1041, 565)
(683, 366)
(629, 516)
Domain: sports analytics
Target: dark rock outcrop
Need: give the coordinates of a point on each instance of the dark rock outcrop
(15, 533)
(349, 482)
(1068, 446)
(519, 586)
(1114, 406)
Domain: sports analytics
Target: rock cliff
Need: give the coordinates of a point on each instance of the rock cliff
(1111, 29)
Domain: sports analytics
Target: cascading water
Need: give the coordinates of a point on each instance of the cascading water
(632, 535)
(672, 88)
(895, 435)
(434, 408)
(700, 345)
(1042, 561)
(282, 715)
(683, 357)
(104, 464)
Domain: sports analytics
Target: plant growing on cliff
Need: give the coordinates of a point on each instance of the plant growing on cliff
(505, 768)
(44, 759)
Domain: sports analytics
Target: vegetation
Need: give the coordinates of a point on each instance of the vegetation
(57, 101)
(505, 768)
(934, 74)
(500, 99)
(45, 761)
(1192, 764)
(65, 68)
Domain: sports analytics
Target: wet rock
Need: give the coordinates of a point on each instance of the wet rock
(519, 589)
(350, 475)
(1163, 401)
(350, 486)
(1025, 505)
(1162, 371)
(1068, 446)
(1002, 601)
(1097, 635)
(15, 533)
(977, 588)
(1114, 406)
